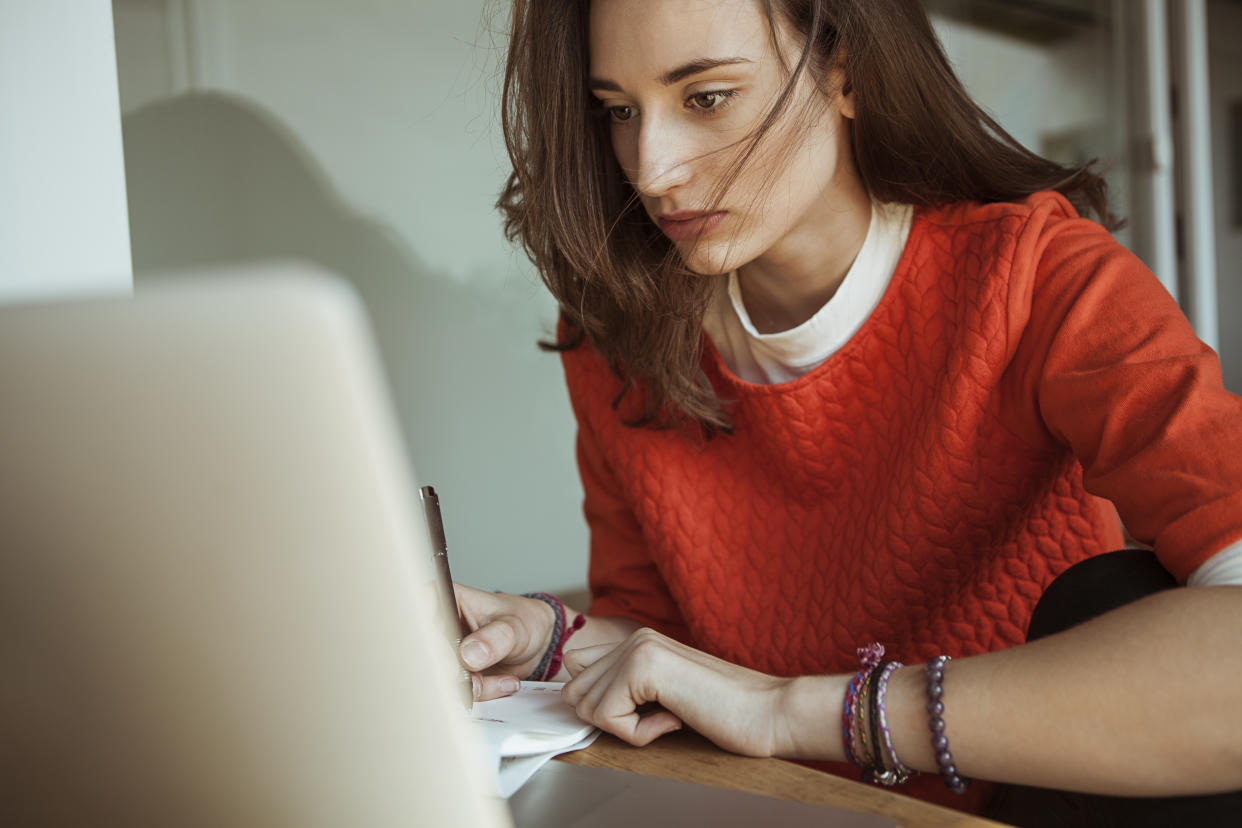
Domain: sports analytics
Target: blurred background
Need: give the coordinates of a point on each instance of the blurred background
(143, 137)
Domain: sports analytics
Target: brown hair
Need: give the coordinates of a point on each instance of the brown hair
(917, 138)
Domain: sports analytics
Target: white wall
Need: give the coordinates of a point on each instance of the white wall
(362, 135)
(63, 223)
(1063, 100)
(1034, 91)
(1225, 90)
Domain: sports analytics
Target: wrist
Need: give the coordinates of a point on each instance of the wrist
(542, 627)
(808, 715)
(564, 625)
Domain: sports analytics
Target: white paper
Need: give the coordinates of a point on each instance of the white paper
(523, 731)
(514, 771)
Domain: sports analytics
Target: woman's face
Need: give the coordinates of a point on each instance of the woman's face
(685, 83)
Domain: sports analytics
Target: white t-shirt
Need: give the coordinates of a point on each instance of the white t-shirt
(768, 359)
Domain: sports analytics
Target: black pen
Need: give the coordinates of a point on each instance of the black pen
(455, 627)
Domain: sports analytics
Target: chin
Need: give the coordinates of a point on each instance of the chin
(713, 259)
(706, 270)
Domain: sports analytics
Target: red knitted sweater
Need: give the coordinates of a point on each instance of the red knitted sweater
(925, 484)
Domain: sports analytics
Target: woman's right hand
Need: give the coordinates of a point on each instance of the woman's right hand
(509, 637)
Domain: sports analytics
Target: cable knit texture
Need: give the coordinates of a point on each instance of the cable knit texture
(925, 484)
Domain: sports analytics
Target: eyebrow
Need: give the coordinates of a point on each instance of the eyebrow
(672, 76)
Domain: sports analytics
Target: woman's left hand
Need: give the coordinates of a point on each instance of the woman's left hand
(737, 708)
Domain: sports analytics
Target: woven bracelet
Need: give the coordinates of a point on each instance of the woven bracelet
(875, 760)
(847, 719)
(866, 751)
(540, 673)
(890, 770)
(558, 655)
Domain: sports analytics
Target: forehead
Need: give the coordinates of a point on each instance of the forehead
(639, 39)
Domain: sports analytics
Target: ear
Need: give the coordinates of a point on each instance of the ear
(839, 88)
(846, 96)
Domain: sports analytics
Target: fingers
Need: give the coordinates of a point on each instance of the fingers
(487, 688)
(654, 725)
(590, 671)
(476, 605)
(578, 660)
(612, 682)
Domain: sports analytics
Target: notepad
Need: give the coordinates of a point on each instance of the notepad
(522, 732)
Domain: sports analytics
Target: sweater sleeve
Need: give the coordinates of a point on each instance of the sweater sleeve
(623, 577)
(1115, 372)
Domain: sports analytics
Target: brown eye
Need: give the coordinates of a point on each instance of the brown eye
(707, 100)
(621, 114)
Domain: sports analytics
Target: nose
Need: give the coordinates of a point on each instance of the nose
(663, 162)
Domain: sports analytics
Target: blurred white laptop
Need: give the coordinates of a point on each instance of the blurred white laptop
(216, 596)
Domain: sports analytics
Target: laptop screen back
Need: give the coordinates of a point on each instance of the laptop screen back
(215, 599)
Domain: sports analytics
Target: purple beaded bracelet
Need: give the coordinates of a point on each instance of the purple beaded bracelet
(940, 742)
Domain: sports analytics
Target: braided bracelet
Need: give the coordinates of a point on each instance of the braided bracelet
(863, 748)
(891, 770)
(875, 765)
(940, 742)
(866, 750)
(868, 741)
(558, 609)
(558, 656)
(553, 657)
(857, 725)
(847, 719)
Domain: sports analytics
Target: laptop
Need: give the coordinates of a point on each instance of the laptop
(216, 594)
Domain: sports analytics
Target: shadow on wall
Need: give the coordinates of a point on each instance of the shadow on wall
(213, 179)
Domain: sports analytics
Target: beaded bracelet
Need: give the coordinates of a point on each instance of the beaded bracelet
(550, 664)
(940, 742)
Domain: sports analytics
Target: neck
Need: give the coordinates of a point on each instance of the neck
(789, 283)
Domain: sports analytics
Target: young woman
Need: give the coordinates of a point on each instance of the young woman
(849, 368)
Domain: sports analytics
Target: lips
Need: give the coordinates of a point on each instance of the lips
(689, 224)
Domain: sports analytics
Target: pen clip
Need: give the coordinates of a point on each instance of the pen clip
(435, 524)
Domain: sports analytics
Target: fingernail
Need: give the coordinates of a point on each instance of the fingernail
(508, 685)
(477, 685)
(474, 654)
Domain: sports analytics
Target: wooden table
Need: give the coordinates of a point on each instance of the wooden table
(690, 757)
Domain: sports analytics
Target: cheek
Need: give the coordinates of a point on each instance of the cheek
(761, 198)
(625, 149)
(798, 180)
